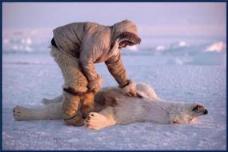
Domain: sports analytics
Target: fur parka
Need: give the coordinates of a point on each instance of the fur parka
(94, 43)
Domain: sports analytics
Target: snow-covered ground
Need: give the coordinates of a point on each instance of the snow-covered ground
(27, 78)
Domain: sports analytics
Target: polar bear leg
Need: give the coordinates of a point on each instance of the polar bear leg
(100, 120)
(21, 113)
(46, 112)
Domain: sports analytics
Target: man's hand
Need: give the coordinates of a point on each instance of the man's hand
(95, 85)
(130, 89)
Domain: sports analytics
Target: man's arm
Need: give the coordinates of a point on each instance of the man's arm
(87, 65)
(88, 69)
(116, 68)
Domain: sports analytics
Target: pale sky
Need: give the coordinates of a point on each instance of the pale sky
(187, 19)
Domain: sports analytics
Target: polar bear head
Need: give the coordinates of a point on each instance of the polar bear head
(198, 110)
(186, 113)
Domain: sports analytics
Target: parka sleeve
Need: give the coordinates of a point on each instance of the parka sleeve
(87, 65)
(116, 68)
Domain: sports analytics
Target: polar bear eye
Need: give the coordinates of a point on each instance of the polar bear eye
(197, 108)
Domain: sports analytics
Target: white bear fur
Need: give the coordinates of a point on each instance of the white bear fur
(113, 107)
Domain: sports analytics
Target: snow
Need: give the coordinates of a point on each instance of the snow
(160, 48)
(216, 47)
(27, 78)
(182, 44)
(26, 40)
(133, 48)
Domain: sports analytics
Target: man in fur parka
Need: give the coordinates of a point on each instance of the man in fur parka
(76, 47)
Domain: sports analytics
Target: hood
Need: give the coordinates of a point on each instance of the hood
(126, 33)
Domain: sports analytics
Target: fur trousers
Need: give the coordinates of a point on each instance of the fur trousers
(77, 100)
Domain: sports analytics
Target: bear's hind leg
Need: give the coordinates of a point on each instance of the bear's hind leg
(100, 120)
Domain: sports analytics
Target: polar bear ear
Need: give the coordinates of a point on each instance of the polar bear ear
(197, 108)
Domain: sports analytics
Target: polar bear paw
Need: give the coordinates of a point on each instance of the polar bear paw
(20, 113)
(97, 121)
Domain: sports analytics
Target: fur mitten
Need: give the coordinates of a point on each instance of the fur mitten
(130, 88)
(95, 85)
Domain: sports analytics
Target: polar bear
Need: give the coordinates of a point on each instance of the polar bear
(112, 107)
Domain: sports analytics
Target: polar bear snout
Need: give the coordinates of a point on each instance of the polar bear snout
(205, 111)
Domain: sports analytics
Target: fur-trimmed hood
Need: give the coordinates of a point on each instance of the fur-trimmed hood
(126, 31)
